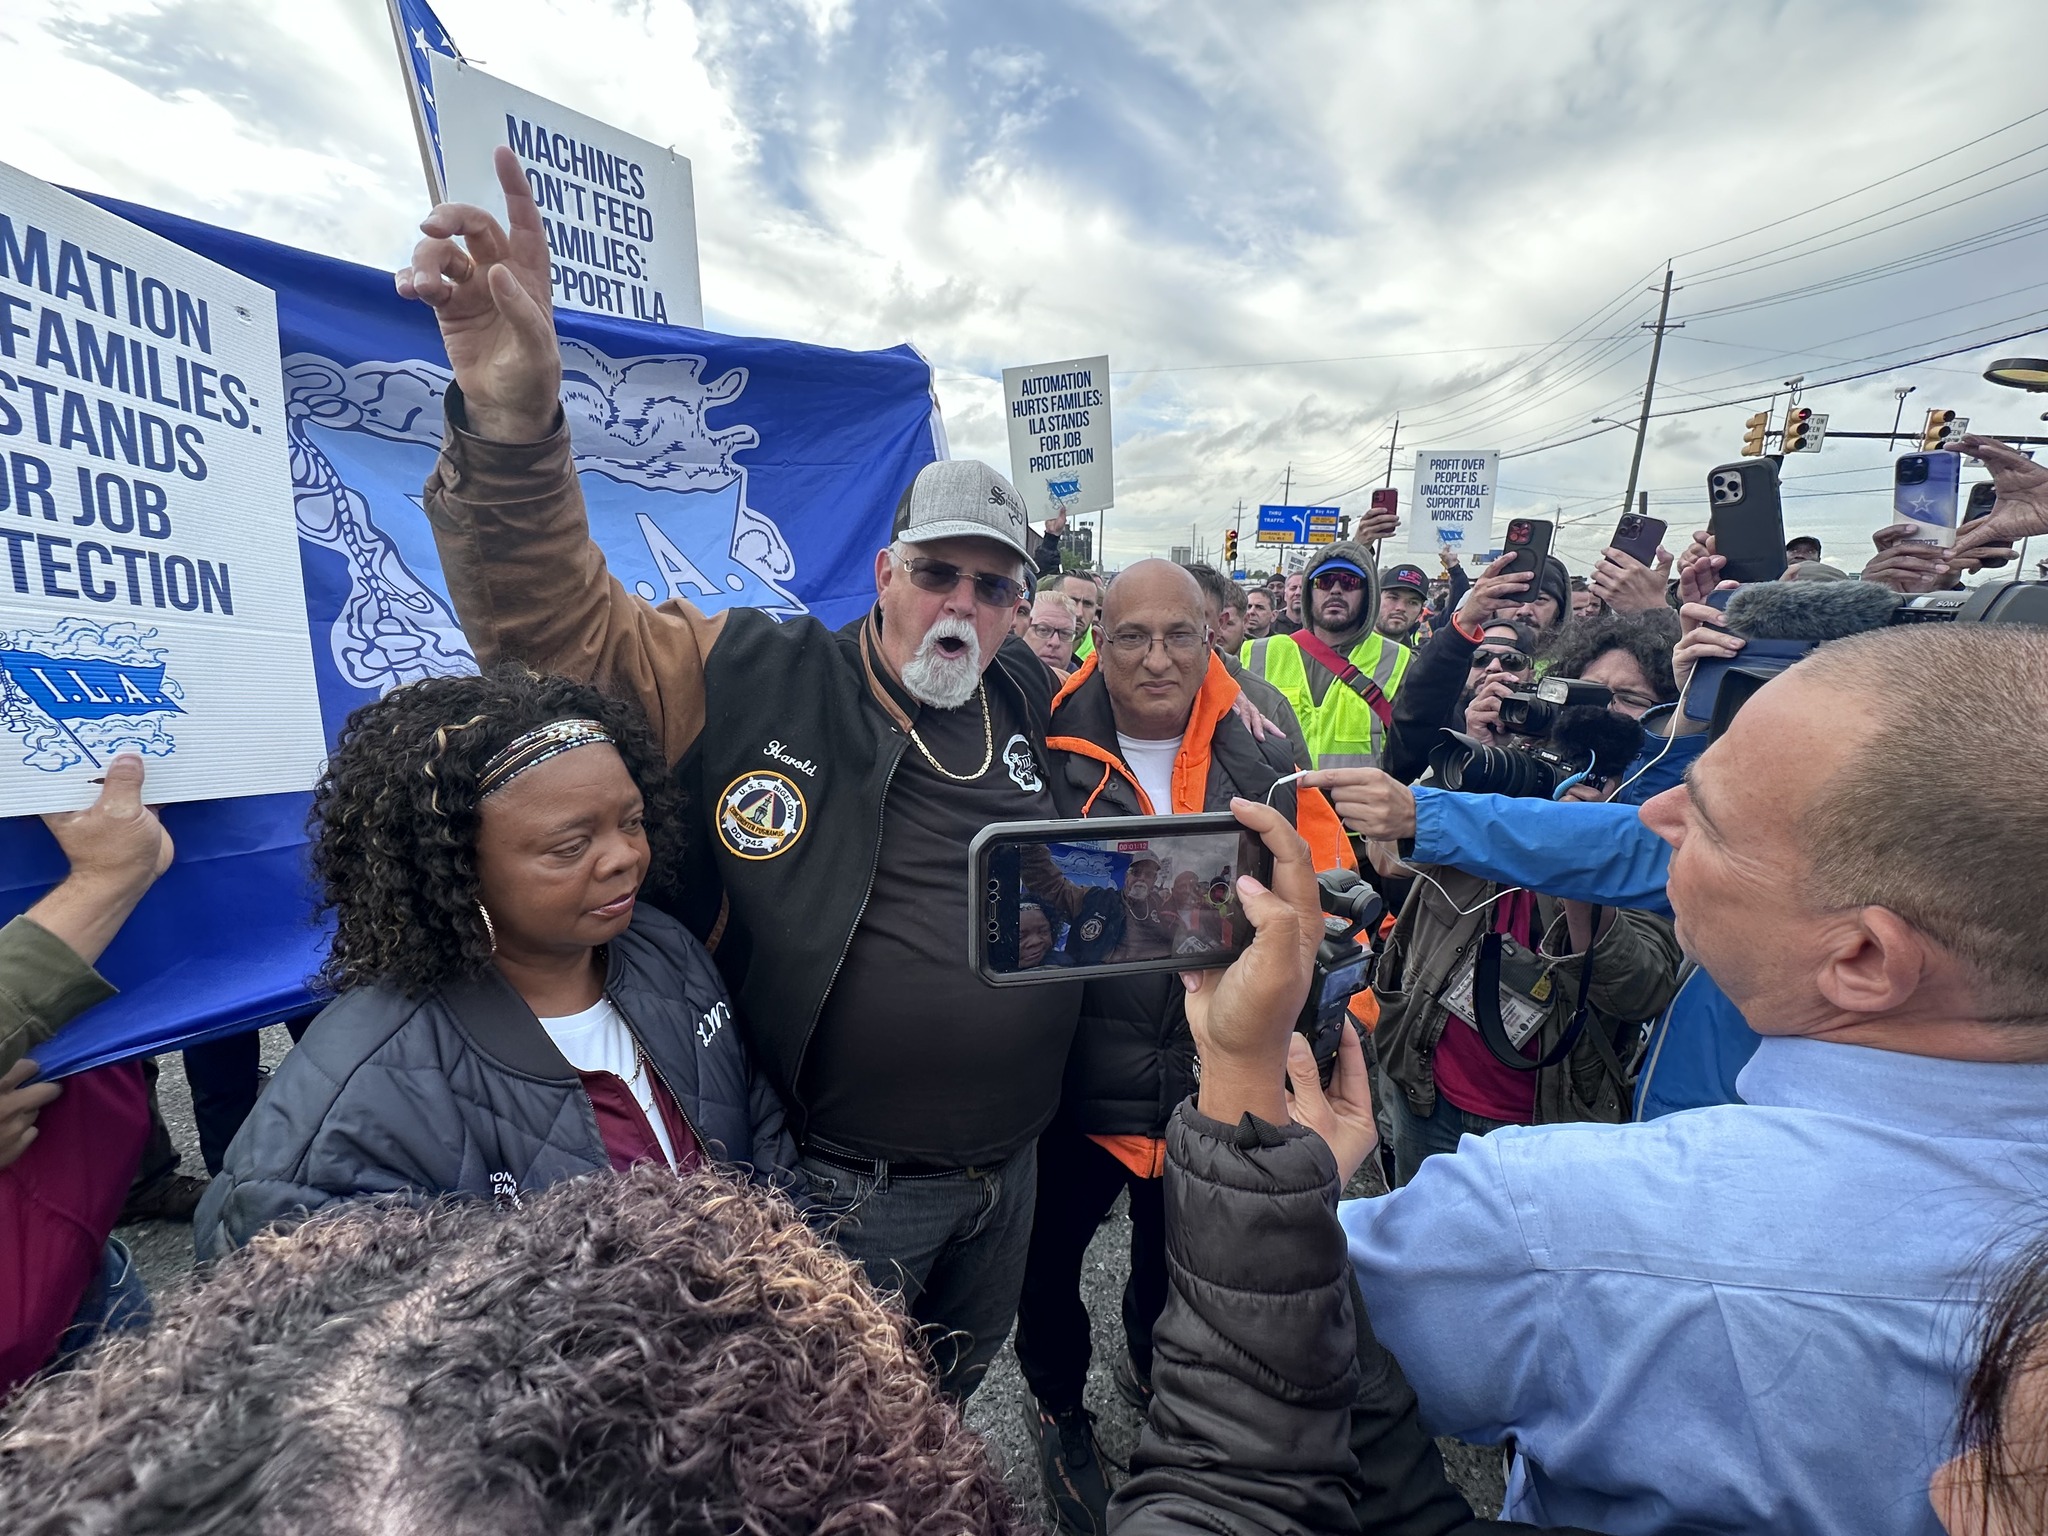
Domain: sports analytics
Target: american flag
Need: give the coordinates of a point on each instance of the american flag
(420, 37)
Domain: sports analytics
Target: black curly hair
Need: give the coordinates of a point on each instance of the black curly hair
(1647, 637)
(627, 1354)
(396, 812)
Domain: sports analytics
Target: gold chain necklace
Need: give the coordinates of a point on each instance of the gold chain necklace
(988, 744)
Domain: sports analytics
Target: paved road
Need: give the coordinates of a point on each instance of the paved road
(164, 1251)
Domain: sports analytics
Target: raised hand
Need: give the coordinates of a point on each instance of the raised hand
(1629, 586)
(1699, 568)
(1342, 1113)
(1241, 1017)
(1496, 588)
(1376, 524)
(2022, 486)
(489, 287)
(1906, 564)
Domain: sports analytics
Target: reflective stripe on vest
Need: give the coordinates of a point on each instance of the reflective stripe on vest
(1342, 731)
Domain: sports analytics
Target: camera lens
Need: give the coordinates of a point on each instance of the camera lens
(1527, 716)
(1466, 766)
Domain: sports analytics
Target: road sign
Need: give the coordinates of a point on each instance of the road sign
(1298, 525)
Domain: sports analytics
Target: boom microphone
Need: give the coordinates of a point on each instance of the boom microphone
(1782, 621)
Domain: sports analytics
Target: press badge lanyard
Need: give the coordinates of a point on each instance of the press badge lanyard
(1486, 1006)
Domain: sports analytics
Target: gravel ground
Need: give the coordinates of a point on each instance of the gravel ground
(997, 1410)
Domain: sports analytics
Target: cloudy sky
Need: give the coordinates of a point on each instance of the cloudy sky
(1285, 224)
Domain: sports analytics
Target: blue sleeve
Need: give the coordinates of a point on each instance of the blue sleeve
(1453, 1293)
(1580, 851)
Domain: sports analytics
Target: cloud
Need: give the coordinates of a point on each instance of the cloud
(1431, 194)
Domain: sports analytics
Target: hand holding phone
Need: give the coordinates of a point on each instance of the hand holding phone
(1747, 521)
(1925, 488)
(1983, 498)
(1639, 537)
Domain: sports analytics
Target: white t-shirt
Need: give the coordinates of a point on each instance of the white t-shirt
(597, 1040)
(1152, 762)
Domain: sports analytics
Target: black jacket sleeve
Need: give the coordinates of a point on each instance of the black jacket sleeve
(1275, 1408)
(1423, 704)
(1048, 557)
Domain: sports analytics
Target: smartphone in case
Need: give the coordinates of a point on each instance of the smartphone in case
(1747, 520)
(1116, 895)
(1983, 497)
(1638, 536)
(1528, 540)
(1925, 489)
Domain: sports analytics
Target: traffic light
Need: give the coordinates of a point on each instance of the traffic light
(1753, 431)
(1941, 427)
(1230, 549)
(1344, 525)
(1804, 431)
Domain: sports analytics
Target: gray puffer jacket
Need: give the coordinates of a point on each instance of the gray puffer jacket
(1275, 1409)
(462, 1092)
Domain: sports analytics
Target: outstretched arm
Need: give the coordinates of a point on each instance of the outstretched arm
(526, 578)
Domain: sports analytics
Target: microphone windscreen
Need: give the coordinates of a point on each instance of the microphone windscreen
(1810, 611)
(1613, 740)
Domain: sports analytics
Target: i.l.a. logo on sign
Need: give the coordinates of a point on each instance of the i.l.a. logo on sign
(82, 691)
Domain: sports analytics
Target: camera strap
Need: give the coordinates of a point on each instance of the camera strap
(1486, 1008)
(1348, 675)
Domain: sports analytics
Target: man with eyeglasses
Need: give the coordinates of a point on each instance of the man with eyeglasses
(1482, 648)
(1148, 726)
(833, 780)
(1338, 672)
(1050, 631)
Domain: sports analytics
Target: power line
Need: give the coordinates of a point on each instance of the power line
(1866, 187)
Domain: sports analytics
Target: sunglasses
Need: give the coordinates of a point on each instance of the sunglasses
(938, 576)
(1510, 661)
(1339, 581)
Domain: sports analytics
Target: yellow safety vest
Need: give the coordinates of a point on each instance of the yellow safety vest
(1342, 731)
(1085, 646)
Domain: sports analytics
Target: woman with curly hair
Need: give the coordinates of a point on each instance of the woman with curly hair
(510, 1014)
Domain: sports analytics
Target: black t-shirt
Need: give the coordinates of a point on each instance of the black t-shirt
(915, 1057)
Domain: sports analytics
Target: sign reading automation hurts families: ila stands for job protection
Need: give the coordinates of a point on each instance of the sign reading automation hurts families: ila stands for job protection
(151, 599)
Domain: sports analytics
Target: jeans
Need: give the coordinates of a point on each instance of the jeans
(1421, 1136)
(1078, 1182)
(114, 1302)
(952, 1244)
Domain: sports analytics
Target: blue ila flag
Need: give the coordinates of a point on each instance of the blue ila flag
(724, 470)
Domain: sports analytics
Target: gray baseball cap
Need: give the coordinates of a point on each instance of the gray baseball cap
(961, 499)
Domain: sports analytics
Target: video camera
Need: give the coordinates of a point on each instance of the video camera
(1343, 965)
(1566, 733)
(1783, 621)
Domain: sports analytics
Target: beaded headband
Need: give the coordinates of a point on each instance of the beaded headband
(536, 747)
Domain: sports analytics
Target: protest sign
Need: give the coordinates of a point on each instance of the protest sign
(152, 595)
(718, 469)
(1453, 501)
(1059, 436)
(620, 213)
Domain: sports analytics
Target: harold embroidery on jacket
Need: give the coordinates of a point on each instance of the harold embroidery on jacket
(782, 754)
(712, 1022)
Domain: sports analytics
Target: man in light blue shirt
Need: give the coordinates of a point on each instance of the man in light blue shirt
(1754, 1317)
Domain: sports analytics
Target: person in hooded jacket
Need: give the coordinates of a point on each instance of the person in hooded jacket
(510, 1014)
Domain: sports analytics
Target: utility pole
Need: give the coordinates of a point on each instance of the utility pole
(1287, 489)
(1390, 451)
(1635, 463)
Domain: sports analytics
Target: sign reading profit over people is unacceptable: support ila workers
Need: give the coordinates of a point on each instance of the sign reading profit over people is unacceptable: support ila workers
(151, 598)
(620, 213)
(1453, 501)
(1059, 436)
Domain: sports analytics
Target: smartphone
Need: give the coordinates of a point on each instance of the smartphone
(1112, 896)
(1925, 488)
(1638, 536)
(1528, 540)
(1747, 520)
(1983, 497)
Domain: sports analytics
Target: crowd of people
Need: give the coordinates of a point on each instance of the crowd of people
(662, 1161)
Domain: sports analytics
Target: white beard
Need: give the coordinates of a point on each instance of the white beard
(942, 681)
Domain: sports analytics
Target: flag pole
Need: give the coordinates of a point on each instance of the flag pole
(432, 170)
